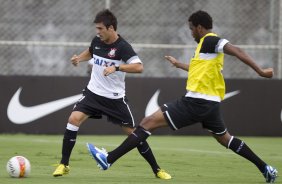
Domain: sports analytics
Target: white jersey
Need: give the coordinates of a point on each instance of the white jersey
(104, 55)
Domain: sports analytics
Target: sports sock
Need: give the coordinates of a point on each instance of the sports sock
(145, 150)
(68, 143)
(239, 147)
(132, 141)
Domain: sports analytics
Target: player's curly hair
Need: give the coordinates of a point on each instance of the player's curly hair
(107, 18)
(201, 18)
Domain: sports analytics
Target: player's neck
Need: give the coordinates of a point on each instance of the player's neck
(112, 39)
(205, 32)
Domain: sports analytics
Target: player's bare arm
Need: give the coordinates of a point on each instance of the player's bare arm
(84, 56)
(128, 68)
(177, 64)
(245, 58)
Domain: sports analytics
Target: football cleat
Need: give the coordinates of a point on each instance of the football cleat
(270, 174)
(61, 170)
(162, 174)
(99, 155)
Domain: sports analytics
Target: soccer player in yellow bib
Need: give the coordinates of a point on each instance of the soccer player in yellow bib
(201, 104)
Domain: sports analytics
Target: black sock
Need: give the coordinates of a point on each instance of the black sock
(132, 141)
(68, 144)
(145, 150)
(243, 150)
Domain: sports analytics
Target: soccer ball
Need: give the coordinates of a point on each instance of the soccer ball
(18, 167)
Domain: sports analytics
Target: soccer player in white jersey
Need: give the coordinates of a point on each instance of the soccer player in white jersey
(113, 57)
(201, 104)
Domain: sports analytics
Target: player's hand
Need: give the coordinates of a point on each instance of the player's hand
(267, 73)
(172, 60)
(75, 60)
(109, 70)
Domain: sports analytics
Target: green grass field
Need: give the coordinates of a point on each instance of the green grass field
(197, 160)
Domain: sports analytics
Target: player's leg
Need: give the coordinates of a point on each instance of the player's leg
(105, 160)
(146, 152)
(139, 135)
(241, 148)
(213, 121)
(75, 120)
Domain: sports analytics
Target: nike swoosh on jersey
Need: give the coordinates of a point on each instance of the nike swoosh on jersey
(19, 114)
(153, 105)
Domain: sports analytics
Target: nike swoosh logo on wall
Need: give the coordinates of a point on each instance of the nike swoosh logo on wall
(153, 105)
(230, 94)
(19, 114)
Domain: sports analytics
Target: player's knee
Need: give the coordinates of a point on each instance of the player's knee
(223, 139)
(222, 142)
(74, 120)
(217, 138)
(147, 122)
(153, 122)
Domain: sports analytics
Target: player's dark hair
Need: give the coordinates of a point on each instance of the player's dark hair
(201, 18)
(107, 18)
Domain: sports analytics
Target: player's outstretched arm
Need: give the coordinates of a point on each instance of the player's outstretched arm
(245, 58)
(176, 63)
(84, 56)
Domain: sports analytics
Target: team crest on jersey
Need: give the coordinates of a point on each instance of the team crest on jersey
(112, 53)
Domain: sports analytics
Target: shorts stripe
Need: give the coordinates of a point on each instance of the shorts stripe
(133, 123)
(218, 133)
(170, 120)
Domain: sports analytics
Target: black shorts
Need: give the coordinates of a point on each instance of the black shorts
(186, 111)
(117, 110)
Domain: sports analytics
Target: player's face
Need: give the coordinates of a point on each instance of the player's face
(103, 32)
(194, 32)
